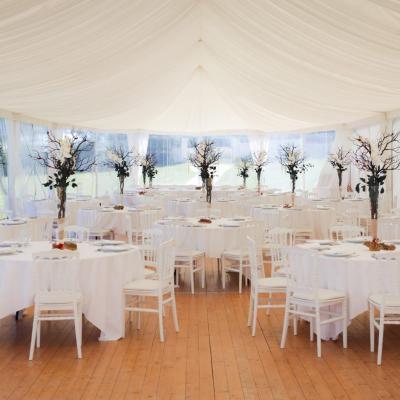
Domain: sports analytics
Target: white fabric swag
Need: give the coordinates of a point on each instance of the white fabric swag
(191, 66)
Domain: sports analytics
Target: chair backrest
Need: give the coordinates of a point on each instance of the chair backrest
(166, 257)
(88, 218)
(304, 274)
(256, 264)
(282, 236)
(149, 246)
(148, 219)
(55, 274)
(75, 233)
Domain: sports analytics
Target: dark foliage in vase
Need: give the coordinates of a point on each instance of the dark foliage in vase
(65, 156)
(340, 160)
(121, 160)
(205, 157)
(243, 168)
(293, 162)
(148, 164)
(375, 159)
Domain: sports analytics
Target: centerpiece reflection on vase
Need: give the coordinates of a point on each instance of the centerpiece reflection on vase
(294, 163)
(375, 159)
(204, 157)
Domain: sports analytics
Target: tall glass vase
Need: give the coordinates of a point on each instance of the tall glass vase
(340, 172)
(209, 190)
(121, 184)
(62, 199)
(373, 190)
(244, 182)
(144, 175)
(258, 181)
(293, 194)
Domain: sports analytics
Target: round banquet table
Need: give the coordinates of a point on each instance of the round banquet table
(358, 276)
(102, 277)
(221, 235)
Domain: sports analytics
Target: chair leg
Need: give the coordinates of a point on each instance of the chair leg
(223, 276)
(371, 328)
(255, 309)
(380, 338)
(240, 275)
(250, 310)
(285, 326)
(160, 318)
(77, 333)
(311, 329)
(318, 326)
(203, 272)
(138, 315)
(344, 323)
(38, 334)
(33, 338)
(295, 323)
(174, 313)
(191, 276)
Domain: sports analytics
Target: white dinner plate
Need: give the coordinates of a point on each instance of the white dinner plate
(105, 242)
(357, 240)
(10, 243)
(386, 255)
(7, 251)
(330, 253)
(116, 249)
(13, 222)
(229, 225)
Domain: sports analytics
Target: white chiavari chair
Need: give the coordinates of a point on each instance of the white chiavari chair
(305, 299)
(261, 285)
(161, 288)
(57, 293)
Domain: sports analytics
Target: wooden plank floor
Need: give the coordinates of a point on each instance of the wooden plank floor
(212, 357)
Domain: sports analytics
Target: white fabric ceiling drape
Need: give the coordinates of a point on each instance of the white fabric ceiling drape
(199, 65)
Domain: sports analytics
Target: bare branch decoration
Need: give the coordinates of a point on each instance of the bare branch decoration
(121, 160)
(65, 156)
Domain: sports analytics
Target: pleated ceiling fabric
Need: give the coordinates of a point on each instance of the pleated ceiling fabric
(199, 65)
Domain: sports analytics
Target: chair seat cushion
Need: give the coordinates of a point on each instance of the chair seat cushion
(234, 253)
(188, 253)
(323, 295)
(388, 300)
(149, 272)
(274, 282)
(143, 285)
(57, 297)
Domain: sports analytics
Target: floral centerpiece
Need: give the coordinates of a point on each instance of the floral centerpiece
(243, 169)
(205, 157)
(375, 159)
(121, 161)
(148, 164)
(340, 160)
(260, 160)
(64, 157)
(294, 164)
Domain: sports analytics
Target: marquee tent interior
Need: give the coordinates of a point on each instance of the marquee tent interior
(112, 84)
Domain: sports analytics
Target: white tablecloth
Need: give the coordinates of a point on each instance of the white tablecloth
(358, 277)
(102, 278)
(212, 238)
